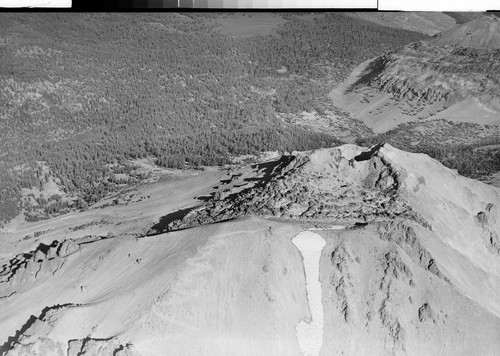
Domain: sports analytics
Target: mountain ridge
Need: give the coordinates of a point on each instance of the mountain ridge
(409, 238)
(482, 33)
(425, 85)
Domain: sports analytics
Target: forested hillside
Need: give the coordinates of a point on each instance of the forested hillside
(81, 94)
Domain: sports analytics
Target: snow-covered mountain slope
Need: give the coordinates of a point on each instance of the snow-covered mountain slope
(410, 265)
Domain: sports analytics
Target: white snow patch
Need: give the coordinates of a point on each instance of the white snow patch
(310, 334)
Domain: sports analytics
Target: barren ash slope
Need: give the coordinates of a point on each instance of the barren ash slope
(453, 76)
(406, 252)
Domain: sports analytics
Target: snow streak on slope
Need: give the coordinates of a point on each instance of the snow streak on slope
(241, 294)
(416, 271)
(236, 288)
(310, 334)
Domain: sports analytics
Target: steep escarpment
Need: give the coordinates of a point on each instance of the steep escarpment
(438, 73)
(422, 81)
(451, 77)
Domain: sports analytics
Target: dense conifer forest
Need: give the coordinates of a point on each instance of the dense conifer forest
(82, 94)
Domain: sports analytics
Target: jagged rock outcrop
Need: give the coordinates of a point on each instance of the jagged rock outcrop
(341, 189)
(420, 75)
(395, 271)
(412, 269)
(99, 347)
(405, 236)
(426, 314)
(449, 78)
(341, 280)
(33, 338)
(376, 305)
(383, 299)
(44, 261)
(487, 220)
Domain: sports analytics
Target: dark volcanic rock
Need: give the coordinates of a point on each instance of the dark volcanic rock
(338, 190)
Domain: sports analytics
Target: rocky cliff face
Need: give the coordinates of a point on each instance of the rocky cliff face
(453, 76)
(421, 74)
(399, 191)
(44, 261)
(336, 186)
